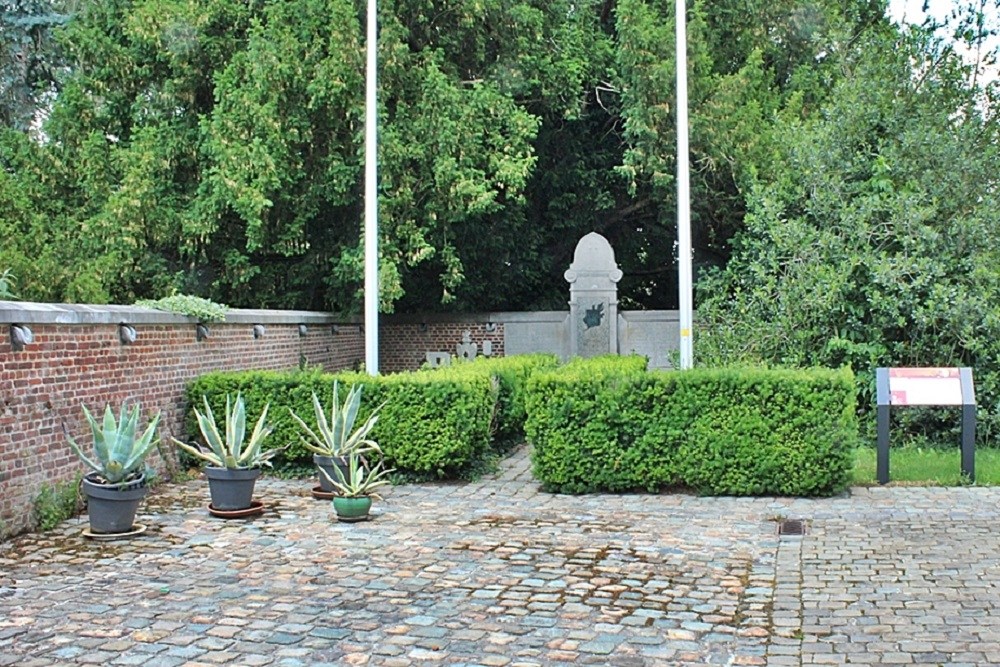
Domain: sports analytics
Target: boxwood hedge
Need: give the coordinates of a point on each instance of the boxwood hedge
(431, 425)
(598, 426)
(511, 375)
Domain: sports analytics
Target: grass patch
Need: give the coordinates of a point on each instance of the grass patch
(926, 466)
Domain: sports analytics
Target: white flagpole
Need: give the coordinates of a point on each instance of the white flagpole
(371, 194)
(683, 192)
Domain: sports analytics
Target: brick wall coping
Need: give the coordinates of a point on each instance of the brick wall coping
(26, 312)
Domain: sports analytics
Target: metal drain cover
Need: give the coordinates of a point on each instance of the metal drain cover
(792, 527)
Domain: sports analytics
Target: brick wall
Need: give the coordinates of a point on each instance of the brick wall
(83, 362)
(405, 340)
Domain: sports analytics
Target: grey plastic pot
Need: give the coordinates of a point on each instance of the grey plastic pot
(111, 508)
(231, 489)
(328, 463)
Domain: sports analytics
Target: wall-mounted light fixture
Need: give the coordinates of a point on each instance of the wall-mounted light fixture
(126, 334)
(335, 329)
(423, 327)
(20, 335)
(201, 332)
(303, 330)
(491, 326)
(258, 331)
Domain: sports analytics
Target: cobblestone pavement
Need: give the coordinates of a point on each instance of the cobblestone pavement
(498, 573)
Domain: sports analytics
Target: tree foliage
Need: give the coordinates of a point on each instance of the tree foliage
(216, 147)
(876, 239)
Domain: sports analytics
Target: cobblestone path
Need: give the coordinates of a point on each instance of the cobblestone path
(498, 573)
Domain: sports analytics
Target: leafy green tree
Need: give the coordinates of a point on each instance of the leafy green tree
(875, 240)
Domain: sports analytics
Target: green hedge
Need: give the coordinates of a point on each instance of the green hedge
(432, 424)
(740, 431)
(511, 374)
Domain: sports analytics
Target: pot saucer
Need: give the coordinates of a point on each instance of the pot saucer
(256, 508)
(319, 494)
(137, 529)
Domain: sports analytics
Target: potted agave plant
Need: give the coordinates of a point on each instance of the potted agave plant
(117, 481)
(335, 437)
(233, 465)
(355, 490)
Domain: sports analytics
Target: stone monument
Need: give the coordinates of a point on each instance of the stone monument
(466, 349)
(593, 305)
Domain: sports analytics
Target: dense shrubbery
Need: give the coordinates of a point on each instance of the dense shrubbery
(431, 425)
(875, 238)
(511, 375)
(743, 431)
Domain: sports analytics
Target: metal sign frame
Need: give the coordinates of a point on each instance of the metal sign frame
(968, 405)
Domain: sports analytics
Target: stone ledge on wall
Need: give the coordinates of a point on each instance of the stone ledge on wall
(27, 312)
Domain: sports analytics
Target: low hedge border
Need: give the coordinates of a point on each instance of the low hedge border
(430, 426)
(735, 431)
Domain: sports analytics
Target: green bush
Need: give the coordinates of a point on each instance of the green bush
(432, 424)
(203, 310)
(740, 431)
(511, 374)
(57, 502)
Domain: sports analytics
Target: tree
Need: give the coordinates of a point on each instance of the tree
(875, 240)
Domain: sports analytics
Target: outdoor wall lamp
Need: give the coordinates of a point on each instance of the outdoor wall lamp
(201, 332)
(20, 335)
(303, 330)
(127, 334)
(258, 331)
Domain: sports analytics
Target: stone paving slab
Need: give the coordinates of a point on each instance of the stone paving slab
(498, 573)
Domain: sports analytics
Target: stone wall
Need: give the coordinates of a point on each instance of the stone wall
(405, 340)
(77, 358)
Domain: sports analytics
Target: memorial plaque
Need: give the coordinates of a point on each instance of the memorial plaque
(593, 332)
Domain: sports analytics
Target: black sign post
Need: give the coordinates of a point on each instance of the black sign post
(944, 387)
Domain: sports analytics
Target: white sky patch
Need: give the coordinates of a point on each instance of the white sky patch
(912, 11)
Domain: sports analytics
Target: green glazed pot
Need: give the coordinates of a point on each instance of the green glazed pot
(352, 509)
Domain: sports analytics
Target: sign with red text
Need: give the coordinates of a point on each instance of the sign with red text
(925, 386)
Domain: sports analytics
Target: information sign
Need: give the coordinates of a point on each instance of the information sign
(910, 387)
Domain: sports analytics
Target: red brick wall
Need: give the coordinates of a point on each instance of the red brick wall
(404, 343)
(43, 386)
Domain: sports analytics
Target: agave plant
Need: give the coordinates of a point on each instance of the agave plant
(359, 480)
(230, 451)
(118, 453)
(336, 436)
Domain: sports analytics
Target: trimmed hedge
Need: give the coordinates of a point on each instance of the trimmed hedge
(512, 374)
(737, 431)
(432, 425)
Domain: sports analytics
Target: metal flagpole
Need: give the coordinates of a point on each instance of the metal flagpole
(371, 195)
(683, 192)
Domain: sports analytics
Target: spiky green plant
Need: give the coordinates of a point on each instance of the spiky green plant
(336, 436)
(118, 453)
(230, 451)
(360, 480)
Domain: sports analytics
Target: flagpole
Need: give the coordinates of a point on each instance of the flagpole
(371, 194)
(683, 193)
